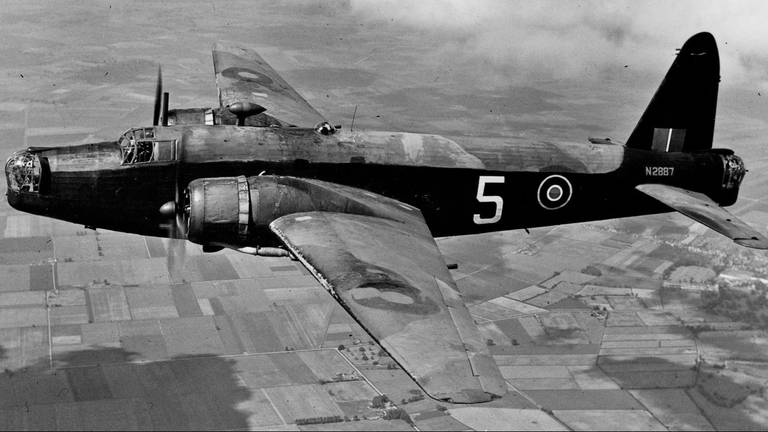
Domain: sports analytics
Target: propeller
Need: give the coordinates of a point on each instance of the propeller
(174, 210)
(158, 97)
(177, 243)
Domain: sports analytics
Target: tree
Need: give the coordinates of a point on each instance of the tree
(592, 271)
(379, 401)
(398, 414)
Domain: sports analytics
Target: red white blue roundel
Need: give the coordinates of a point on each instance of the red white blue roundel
(554, 192)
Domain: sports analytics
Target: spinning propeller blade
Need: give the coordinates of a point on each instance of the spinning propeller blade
(177, 229)
(177, 243)
(158, 98)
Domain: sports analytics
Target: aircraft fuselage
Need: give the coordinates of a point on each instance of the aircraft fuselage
(462, 186)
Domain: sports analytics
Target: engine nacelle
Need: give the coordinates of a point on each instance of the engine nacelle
(213, 211)
(236, 211)
(217, 116)
(192, 116)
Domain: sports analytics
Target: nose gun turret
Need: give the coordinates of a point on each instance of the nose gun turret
(23, 171)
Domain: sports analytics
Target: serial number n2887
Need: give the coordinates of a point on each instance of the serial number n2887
(658, 171)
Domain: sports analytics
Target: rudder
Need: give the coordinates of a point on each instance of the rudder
(681, 115)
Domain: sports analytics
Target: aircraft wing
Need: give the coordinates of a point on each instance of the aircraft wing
(389, 274)
(243, 76)
(702, 209)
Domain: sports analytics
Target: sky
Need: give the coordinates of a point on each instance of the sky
(570, 39)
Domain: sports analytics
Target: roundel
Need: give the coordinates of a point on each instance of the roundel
(554, 192)
(249, 75)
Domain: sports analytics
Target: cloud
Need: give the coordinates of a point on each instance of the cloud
(580, 40)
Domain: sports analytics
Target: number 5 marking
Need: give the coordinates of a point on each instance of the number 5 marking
(481, 197)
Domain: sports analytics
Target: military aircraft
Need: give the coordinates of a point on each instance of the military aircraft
(266, 174)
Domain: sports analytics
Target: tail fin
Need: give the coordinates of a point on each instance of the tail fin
(681, 115)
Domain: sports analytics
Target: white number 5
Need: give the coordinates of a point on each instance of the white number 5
(481, 197)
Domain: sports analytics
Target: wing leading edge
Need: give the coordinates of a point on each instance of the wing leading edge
(700, 208)
(390, 275)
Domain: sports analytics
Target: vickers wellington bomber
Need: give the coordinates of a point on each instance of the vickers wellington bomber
(266, 174)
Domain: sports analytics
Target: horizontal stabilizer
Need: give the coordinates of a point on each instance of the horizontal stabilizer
(702, 209)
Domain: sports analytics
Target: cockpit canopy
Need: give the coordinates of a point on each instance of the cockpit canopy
(140, 145)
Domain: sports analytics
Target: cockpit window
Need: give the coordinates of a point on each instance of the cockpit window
(140, 146)
(23, 170)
